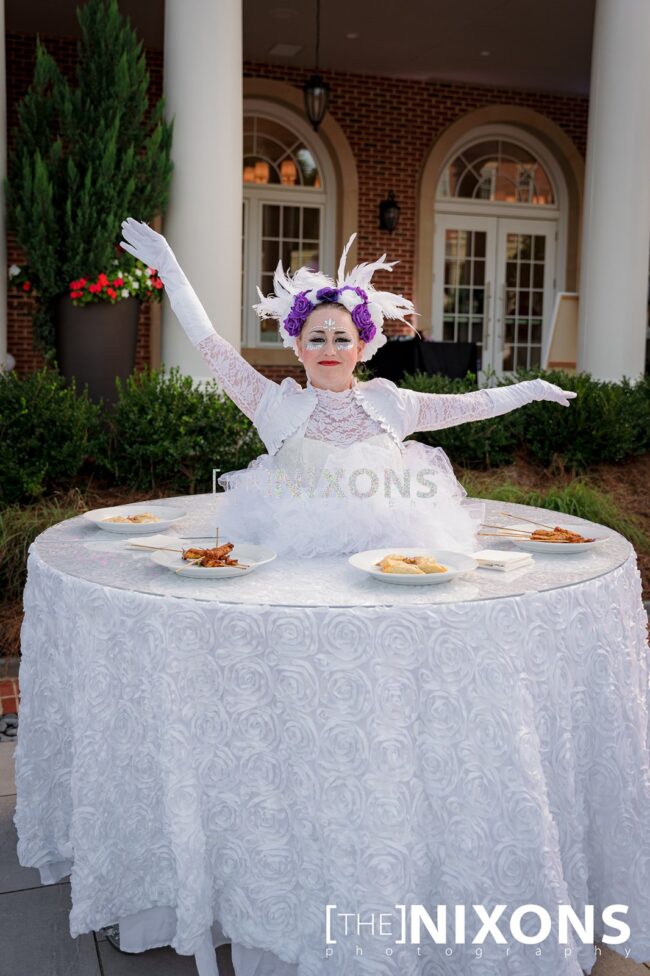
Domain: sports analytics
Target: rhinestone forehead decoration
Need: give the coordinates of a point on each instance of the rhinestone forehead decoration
(329, 324)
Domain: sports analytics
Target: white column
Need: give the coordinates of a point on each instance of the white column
(3, 173)
(203, 224)
(616, 224)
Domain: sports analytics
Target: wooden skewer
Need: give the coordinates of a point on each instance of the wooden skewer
(136, 545)
(505, 527)
(543, 525)
(193, 562)
(502, 535)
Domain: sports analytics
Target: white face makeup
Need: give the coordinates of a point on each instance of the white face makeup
(344, 335)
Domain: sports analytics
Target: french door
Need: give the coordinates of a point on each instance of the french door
(494, 283)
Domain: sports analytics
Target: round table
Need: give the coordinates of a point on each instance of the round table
(215, 759)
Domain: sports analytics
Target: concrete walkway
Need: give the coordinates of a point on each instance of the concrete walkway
(35, 934)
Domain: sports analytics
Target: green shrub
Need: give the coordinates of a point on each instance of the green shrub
(47, 430)
(605, 423)
(578, 498)
(482, 443)
(85, 154)
(167, 431)
(19, 526)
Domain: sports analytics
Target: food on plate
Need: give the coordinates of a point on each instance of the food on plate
(429, 565)
(217, 556)
(557, 534)
(138, 519)
(413, 565)
(388, 565)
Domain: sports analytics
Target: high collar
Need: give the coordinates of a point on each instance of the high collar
(332, 393)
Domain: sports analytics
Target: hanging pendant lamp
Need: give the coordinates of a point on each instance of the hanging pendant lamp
(316, 90)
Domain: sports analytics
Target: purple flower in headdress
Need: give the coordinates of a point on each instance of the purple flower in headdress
(328, 294)
(300, 310)
(363, 321)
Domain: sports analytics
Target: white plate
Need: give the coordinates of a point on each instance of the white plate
(559, 548)
(457, 562)
(167, 514)
(253, 556)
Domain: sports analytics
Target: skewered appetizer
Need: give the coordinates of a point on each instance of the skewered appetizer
(217, 556)
(557, 534)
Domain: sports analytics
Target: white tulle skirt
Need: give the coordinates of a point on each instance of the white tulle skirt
(316, 498)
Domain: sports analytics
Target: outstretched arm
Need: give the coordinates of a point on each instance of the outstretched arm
(241, 381)
(435, 411)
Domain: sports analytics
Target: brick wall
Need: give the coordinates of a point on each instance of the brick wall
(21, 54)
(390, 124)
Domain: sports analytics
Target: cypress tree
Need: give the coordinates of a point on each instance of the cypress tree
(86, 156)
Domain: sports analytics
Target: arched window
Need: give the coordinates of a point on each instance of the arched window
(498, 171)
(288, 181)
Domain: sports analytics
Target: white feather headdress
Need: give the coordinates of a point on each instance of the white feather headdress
(296, 295)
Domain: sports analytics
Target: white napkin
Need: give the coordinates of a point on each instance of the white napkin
(154, 542)
(502, 559)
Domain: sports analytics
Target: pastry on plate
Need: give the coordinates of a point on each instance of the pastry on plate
(395, 564)
(429, 565)
(412, 565)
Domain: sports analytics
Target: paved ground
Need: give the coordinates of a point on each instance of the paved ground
(35, 934)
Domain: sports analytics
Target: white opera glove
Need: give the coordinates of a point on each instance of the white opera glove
(506, 398)
(150, 247)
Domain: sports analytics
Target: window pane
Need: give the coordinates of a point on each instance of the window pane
(270, 256)
(497, 170)
(521, 358)
(270, 221)
(286, 159)
(291, 222)
(311, 223)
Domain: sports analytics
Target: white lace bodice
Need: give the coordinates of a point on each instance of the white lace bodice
(339, 418)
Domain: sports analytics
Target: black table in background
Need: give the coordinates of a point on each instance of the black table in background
(412, 355)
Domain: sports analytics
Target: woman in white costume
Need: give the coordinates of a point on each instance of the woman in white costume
(338, 476)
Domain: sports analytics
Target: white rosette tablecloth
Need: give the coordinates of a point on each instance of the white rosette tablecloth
(230, 756)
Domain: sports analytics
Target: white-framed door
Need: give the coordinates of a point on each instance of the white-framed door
(494, 284)
(277, 228)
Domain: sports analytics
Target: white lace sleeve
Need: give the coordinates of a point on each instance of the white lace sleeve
(435, 411)
(241, 381)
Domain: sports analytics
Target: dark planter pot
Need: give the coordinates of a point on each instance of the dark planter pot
(96, 343)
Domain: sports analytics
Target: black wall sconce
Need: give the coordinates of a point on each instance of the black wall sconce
(389, 211)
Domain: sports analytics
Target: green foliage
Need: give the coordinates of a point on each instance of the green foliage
(86, 156)
(168, 432)
(578, 498)
(482, 443)
(46, 432)
(605, 423)
(19, 526)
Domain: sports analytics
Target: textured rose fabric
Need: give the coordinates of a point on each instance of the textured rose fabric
(252, 764)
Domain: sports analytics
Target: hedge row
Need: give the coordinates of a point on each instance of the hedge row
(168, 432)
(605, 423)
